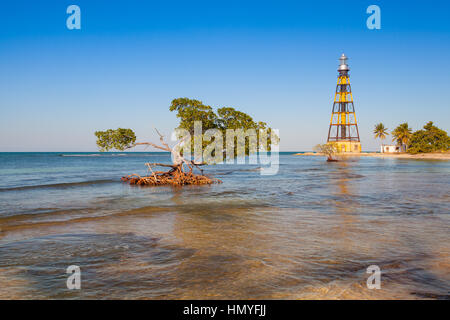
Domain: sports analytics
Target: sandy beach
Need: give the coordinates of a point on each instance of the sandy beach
(431, 156)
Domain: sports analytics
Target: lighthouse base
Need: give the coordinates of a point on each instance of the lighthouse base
(348, 146)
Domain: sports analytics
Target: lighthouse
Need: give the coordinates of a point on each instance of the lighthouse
(343, 129)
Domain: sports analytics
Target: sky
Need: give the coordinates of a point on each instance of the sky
(275, 60)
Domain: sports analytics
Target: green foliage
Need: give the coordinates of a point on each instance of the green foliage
(329, 149)
(191, 110)
(380, 131)
(119, 139)
(402, 134)
(430, 139)
(229, 118)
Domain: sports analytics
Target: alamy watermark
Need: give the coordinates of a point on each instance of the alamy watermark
(74, 20)
(374, 20)
(374, 280)
(74, 280)
(236, 146)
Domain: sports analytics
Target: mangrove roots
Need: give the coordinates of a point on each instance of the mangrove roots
(175, 177)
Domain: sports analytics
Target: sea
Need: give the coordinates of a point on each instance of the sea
(313, 230)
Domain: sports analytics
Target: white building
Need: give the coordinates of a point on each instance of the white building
(389, 148)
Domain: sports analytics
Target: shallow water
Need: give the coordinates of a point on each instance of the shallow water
(308, 232)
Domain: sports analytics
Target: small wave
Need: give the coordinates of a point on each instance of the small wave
(250, 170)
(308, 170)
(352, 176)
(57, 185)
(81, 155)
(95, 155)
(223, 172)
(130, 154)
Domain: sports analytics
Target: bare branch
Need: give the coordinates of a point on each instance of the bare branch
(153, 145)
(178, 159)
(161, 165)
(161, 138)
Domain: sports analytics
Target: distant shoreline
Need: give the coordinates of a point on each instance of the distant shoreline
(426, 156)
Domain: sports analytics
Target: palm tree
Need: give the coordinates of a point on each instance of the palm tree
(380, 131)
(402, 135)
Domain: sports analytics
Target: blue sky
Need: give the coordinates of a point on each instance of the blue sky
(275, 60)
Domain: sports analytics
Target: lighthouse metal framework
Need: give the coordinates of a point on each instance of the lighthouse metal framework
(343, 129)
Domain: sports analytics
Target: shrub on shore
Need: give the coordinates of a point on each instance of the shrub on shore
(429, 139)
(328, 149)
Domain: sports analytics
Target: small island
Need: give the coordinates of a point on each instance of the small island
(430, 143)
(423, 156)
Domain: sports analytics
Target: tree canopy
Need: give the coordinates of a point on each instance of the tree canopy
(380, 131)
(189, 111)
(430, 139)
(402, 134)
(329, 149)
(119, 139)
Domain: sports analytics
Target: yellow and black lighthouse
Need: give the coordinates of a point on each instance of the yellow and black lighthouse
(343, 129)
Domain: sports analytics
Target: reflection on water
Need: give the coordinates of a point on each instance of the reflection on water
(309, 232)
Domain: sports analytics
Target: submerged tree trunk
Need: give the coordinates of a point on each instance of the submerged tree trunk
(177, 175)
